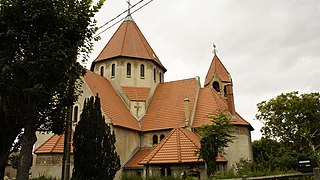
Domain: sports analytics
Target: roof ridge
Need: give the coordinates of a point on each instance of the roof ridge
(214, 96)
(124, 38)
(159, 146)
(58, 140)
(179, 145)
(151, 55)
(189, 137)
(180, 80)
(44, 143)
(222, 64)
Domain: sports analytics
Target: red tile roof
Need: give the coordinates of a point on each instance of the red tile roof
(179, 146)
(218, 69)
(136, 93)
(111, 103)
(209, 102)
(166, 110)
(133, 163)
(54, 144)
(128, 41)
(221, 159)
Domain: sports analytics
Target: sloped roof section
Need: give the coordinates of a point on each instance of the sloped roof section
(179, 146)
(128, 41)
(166, 110)
(133, 163)
(217, 68)
(136, 93)
(210, 101)
(111, 103)
(54, 144)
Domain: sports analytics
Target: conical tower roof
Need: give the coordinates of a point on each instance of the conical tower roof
(128, 41)
(217, 69)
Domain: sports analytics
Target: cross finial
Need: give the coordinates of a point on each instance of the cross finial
(214, 49)
(129, 6)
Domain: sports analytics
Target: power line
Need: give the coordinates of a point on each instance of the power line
(119, 14)
(122, 18)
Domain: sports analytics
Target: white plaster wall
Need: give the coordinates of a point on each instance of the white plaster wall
(48, 168)
(127, 142)
(134, 79)
(147, 137)
(240, 148)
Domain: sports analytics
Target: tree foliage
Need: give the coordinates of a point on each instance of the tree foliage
(40, 41)
(214, 138)
(294, 120)
(273, 155)
(95, 156)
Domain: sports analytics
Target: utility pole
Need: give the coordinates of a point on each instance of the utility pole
(67, 146)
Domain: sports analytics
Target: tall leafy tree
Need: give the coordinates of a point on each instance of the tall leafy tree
(40, 41)
(294, 120)
(95, 156)
(273, 155)
(214, 138)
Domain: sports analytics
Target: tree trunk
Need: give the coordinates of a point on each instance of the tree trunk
(5, 148)
(2, 169)
(28, 139)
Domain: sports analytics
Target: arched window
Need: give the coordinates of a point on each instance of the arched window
(160, 77)
(75, 113)
(128, 69)
(113, 70)
(102, 71)
(154, 74)
(161, 136)
(141, 70)
(216, 86)
(155, 139)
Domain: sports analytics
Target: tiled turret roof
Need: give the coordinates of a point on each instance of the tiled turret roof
(128, 41)
(217, 69)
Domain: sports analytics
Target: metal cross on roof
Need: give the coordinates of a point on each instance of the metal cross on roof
(129, 6)
(214, 49)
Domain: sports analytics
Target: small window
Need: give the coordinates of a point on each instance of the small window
(128, 69)
(160, 77)
(102, 71)
(225, 91)
(161, 136)
(154, 74)
(216, 86)
(75, 114)
(155, 139)
(113, 70)
(142, 70)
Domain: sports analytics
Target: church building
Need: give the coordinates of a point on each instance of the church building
(155, 122)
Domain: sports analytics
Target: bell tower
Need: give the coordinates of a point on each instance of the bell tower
(219, 79)
(131, 66)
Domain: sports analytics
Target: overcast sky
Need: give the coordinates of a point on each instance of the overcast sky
(268, 46)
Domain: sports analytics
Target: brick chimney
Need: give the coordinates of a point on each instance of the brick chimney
(230, 100)
(187, 112)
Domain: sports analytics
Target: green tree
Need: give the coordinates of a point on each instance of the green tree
(95, 156)
(214, 138)
(271, 155)
(293, 120)
(40, 41)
